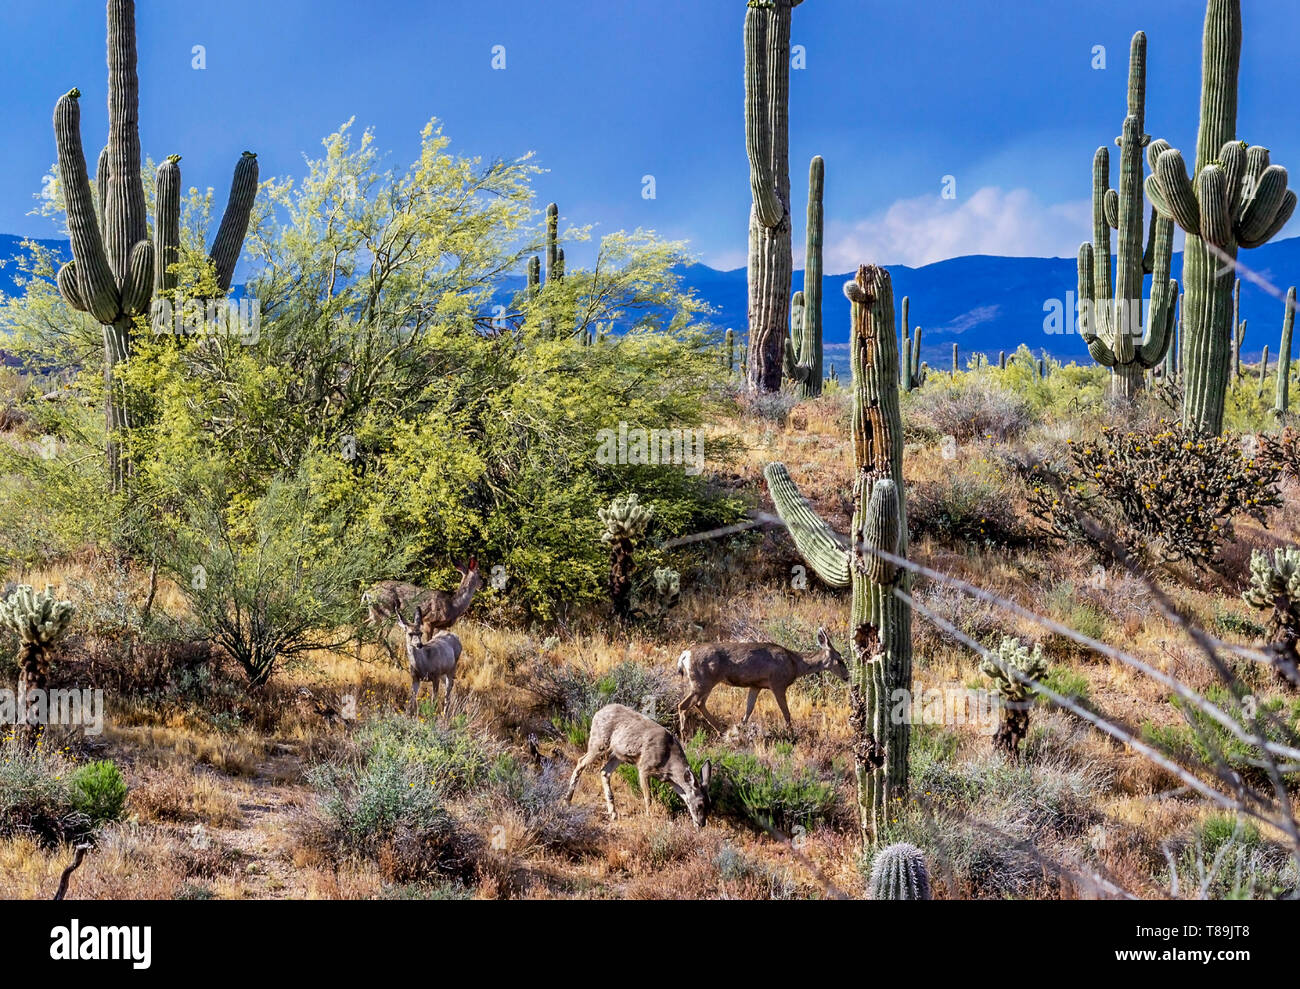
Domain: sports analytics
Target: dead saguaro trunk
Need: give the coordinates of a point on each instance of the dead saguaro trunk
(767, 143)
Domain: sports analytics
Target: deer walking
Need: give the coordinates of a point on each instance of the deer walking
(618, 735)
(440, 609)
(756, 665)
(433, 661)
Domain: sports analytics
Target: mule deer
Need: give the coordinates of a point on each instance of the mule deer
(440, 609)
(756, 665)
(618, 735)
(433, 661)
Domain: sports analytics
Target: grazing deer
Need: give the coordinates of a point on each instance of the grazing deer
(618, 735)
(433, 661)
(756, 665)
(440, 609)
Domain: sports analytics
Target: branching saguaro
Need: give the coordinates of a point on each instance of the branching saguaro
(116, 271)
(880, 620)
(1112, 325)
(767, 142)
(1234, 199)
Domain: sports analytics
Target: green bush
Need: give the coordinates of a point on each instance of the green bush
(576, 693)
(37, 798)
(99, 792)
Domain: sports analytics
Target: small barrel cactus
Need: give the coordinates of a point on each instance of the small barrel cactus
(899, 873)
(1013, 694)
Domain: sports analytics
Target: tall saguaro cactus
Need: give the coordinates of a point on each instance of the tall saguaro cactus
(115, 273)
(1112, 325)
(803, 356)
(880, 622)
(1282, 405)
(1234, 199)
(767, 143)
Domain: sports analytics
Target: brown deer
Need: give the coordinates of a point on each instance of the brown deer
(440, 609)
(618, 735)
(756, 665)
(433, 662)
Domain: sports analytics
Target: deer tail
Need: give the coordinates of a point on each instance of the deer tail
(682, 661)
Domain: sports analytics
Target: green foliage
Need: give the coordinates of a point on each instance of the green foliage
(961, 510)
(1162, 495)
(37, 795)
(99, 792)
(779, 794)
(574, 693)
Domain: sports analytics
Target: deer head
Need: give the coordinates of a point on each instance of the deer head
(829, 658)
(695, 792)
(470, 579)
(414, 637)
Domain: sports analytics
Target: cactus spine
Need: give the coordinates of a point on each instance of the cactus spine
(803, 354)
(1282, 405)
(767, 143)
(880, 622)
(1112, 320)
(898, 872)
(39, 620)
(115, 273)
(1235, 199)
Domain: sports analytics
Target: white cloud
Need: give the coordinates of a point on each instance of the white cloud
(926, 229)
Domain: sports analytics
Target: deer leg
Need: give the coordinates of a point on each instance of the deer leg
(704, 698)
(779, 694)
(683, 706)
(446, 701)
(413, 707)
(644, 779)
(605, 773)
(587, 759)
(749, 704)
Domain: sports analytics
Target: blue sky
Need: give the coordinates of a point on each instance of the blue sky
(1001, 96)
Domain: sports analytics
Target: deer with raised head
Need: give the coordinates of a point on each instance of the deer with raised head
(432, 661)
(756, 665)
(440, 609)
(618, 735)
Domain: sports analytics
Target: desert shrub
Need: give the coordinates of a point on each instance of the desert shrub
(37, 796)
(534, 798)
(1163, 496)
(454, 757)
(99, 792)
(779, 794)
(961, 510)
(1203, 743)
(972, 407)
(1282, 451)
(576, 692)
(734, 866)
(1226, 858)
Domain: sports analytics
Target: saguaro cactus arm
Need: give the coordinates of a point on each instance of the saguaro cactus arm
(824, 549)
(229, 241)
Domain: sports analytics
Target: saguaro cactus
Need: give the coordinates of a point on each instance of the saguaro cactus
(114, 275)
(767, 143)
(1112, 320)
(39, 620)
(1238, 330)
(1263, 369)
(1282, 405)
(918, 378)
(730, 350)
(1235, 199)
(803, 358)
(898, 872)
(880, 621)
(955, 359)
(534, 276)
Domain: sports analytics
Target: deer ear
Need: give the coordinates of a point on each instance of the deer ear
(822, 638)
(473, 563)
(706, 772)
(416, 620)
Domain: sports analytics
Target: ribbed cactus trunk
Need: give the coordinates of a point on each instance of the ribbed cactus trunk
(880, 624)
(730, 351)
(918, 379)
(1112, 325)
(810, 348)
(1002, 360)
(1282, 405)
(116, 272)
(956, 357)
(1238, 330)
(1234, 199)
(767, 123)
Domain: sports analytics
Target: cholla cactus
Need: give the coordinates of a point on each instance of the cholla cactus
(626, 521)
(626, 518)
(662, 593)
(1275, 585)
(1012, 692)
(37, 616)
(899, 873)
(40, 620)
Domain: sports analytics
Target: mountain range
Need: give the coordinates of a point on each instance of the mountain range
(982, 303)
